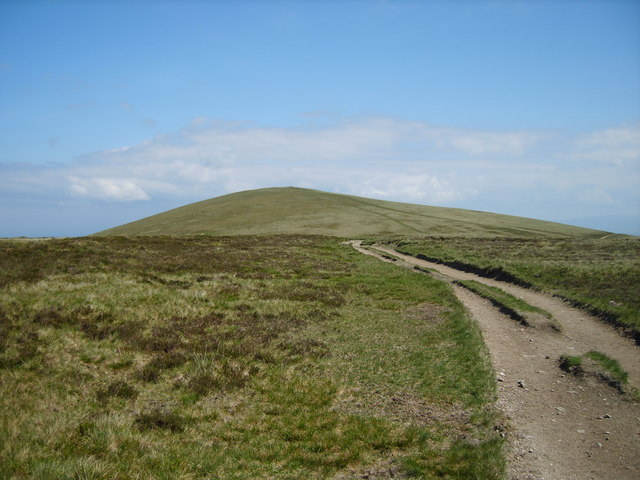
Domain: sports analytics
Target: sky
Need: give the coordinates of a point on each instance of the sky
(111, 111)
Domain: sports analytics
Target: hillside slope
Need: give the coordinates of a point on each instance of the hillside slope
(302, 211)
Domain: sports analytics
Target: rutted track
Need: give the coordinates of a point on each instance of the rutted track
(563, 428)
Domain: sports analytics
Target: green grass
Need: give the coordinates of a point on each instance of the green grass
(601, 275)
(303, 211)
(235, 358)
(512, 306)
(610, 365)
(602, 367)
(571, 364)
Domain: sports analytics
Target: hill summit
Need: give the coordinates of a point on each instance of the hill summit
(291, 210)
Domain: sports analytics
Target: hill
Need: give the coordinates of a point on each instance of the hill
(302, 211)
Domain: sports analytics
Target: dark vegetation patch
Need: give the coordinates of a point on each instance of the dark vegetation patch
(95, 324)
(160, 419)
(226, 375)
(18, 346)
(117, 388)
(152, 370)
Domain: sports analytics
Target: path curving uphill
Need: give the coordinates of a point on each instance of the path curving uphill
(562, 427)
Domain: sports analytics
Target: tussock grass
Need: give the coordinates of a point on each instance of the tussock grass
(610, 365)
(600, 275)
(234, 358)
(571, 364)
(602, 367)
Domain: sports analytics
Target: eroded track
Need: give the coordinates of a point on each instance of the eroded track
(562, 427)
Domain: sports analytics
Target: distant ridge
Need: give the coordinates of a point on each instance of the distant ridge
(291, 210)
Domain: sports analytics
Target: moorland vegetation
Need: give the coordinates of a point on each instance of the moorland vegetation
(239, 357)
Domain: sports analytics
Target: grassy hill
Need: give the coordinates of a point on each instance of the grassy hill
(302, 211)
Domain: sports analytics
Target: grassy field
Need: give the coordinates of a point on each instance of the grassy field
(303, 211)
(602, 275)
(235, 358)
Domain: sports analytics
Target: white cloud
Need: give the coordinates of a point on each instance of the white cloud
(615, 146)
(419, 188)
(107, 188)
(613, 137)
(370, 139)
(528, 173)
(481, 143)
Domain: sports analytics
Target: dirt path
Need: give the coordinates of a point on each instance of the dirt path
(563, 427)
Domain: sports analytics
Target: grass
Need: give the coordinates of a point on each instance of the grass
(571, 364)
(600, 275)
(280, 357)
(610, 365)
(602, 367)
(302, 211)
(515, 307)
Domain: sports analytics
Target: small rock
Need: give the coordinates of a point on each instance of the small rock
(580, 431)
(606, 415)
(500, 379)
(521, 384)
(547, 357)
(560, 409)
(598, 444)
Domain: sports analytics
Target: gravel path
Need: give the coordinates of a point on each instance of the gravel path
(562, 427)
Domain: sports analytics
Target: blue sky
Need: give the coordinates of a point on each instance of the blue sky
(111, 110)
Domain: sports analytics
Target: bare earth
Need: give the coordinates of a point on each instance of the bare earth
(561, 427)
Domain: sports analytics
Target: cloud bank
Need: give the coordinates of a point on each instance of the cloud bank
(552, 175)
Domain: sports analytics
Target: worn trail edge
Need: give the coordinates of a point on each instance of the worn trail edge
(562, 427)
